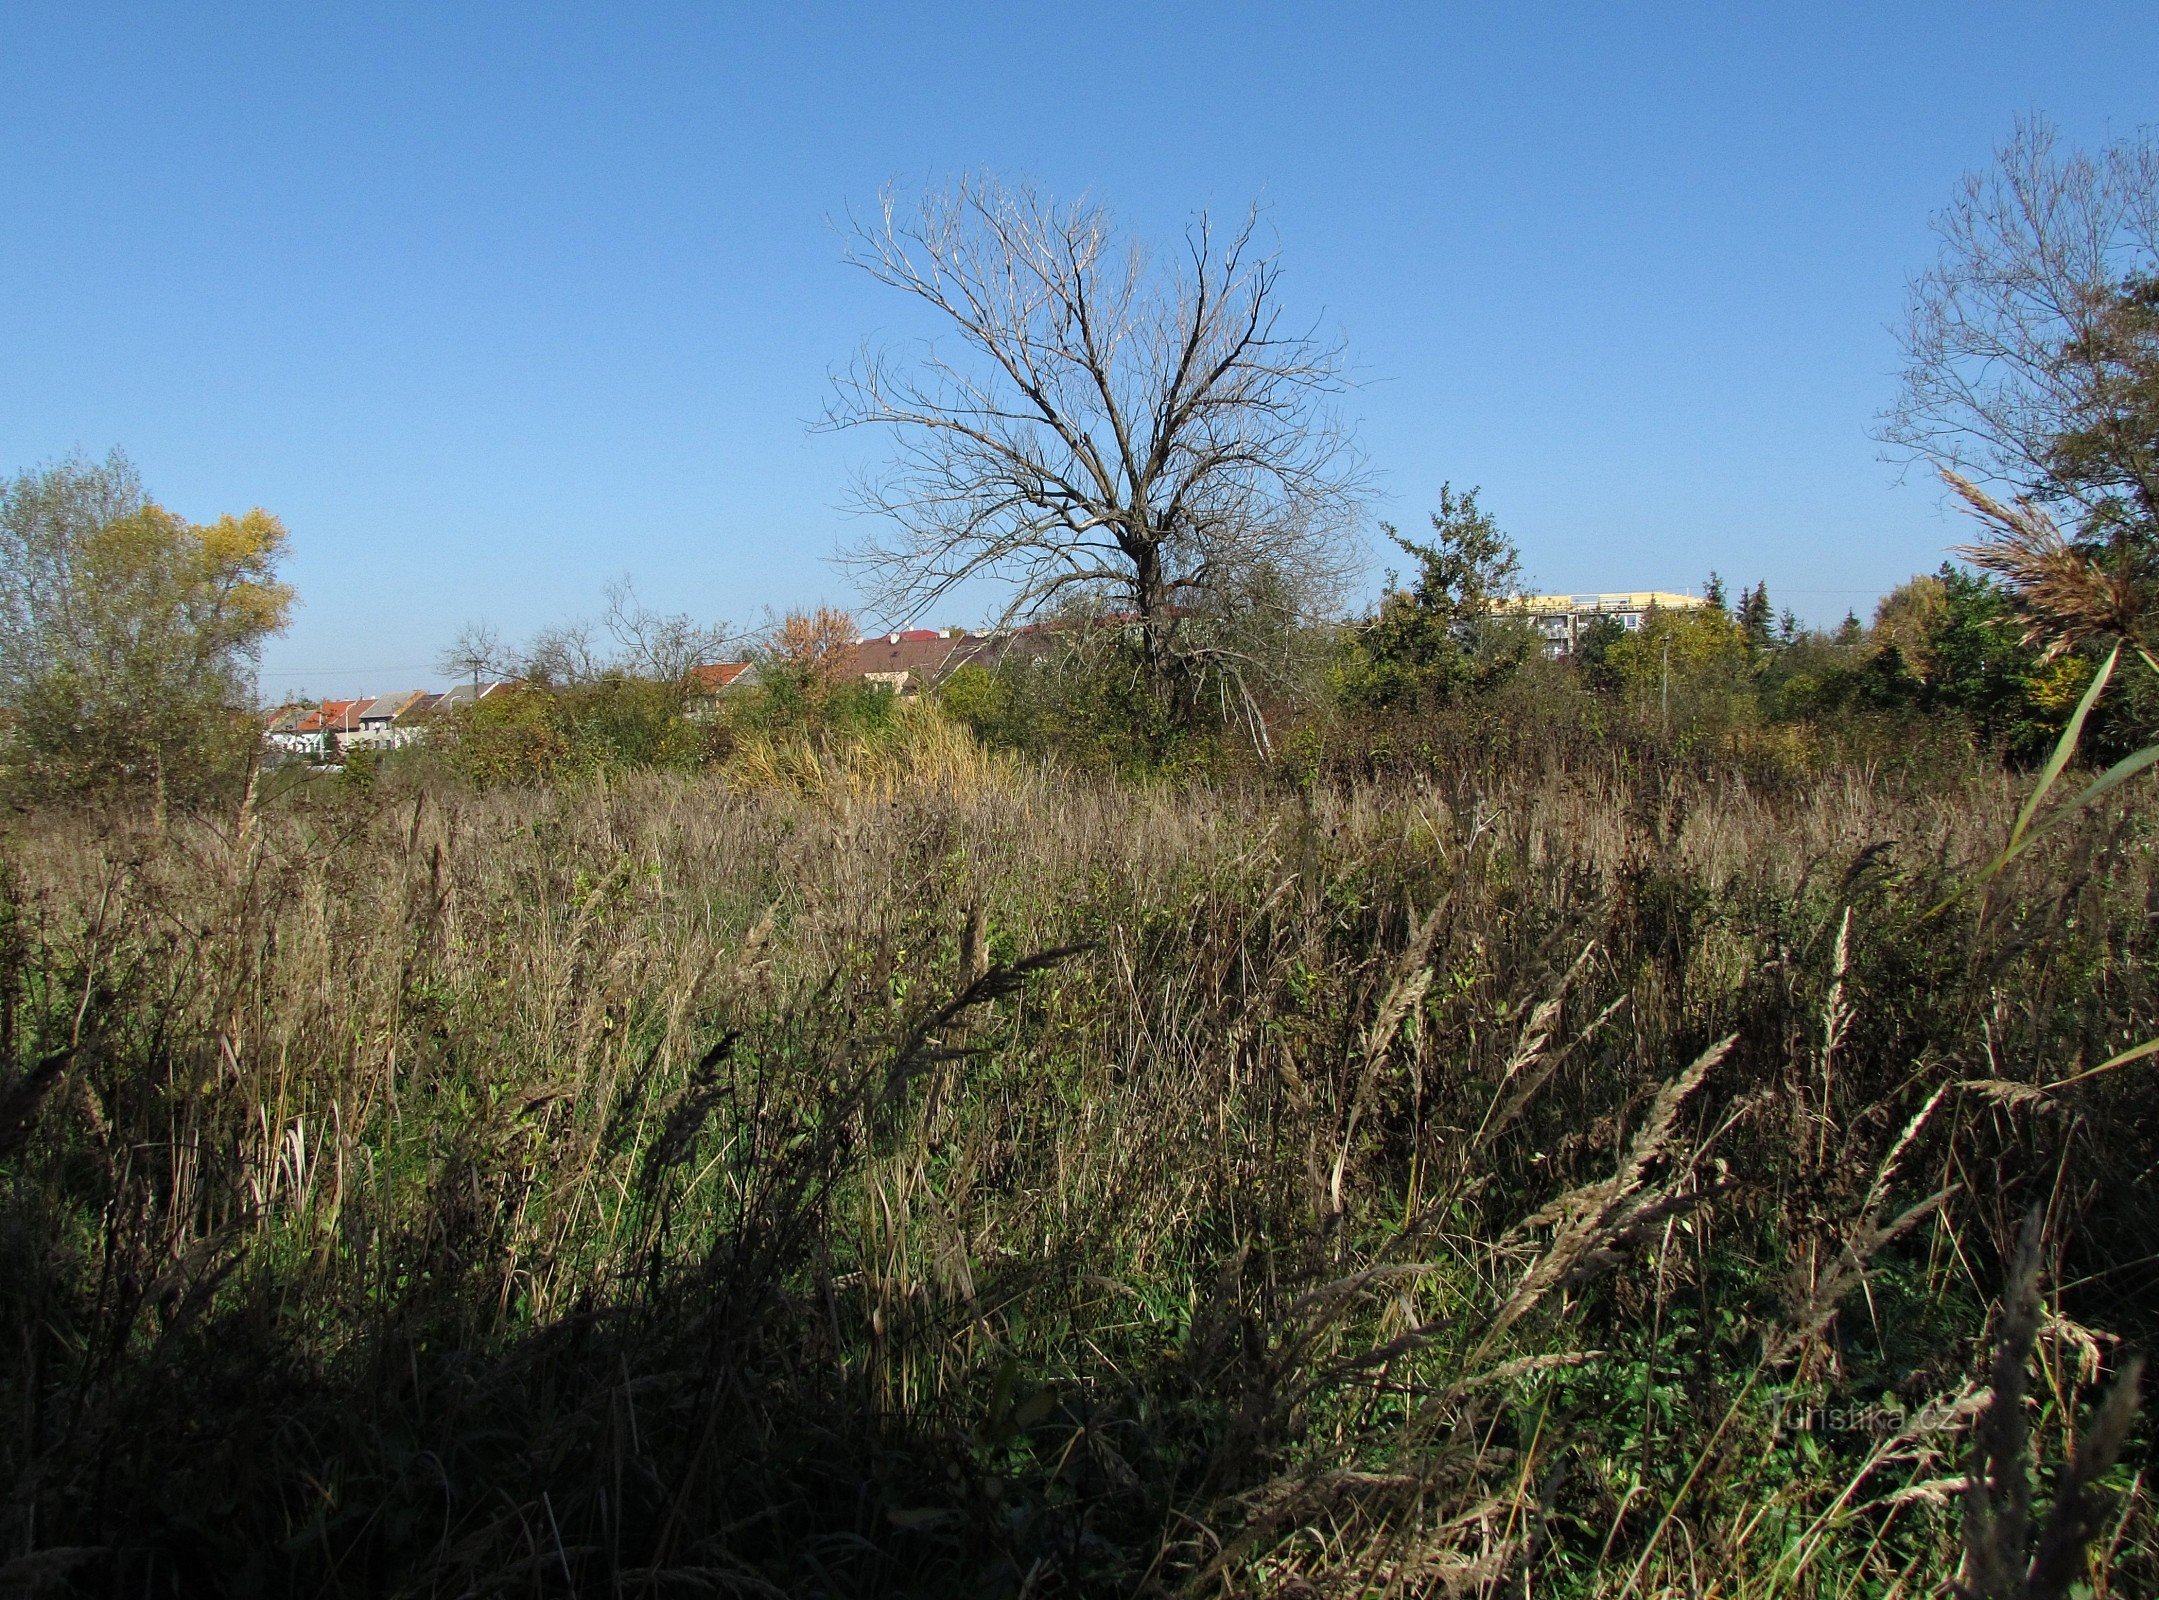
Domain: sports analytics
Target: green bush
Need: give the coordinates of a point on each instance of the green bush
(612, 725)
(1092, 709)
(799, 700)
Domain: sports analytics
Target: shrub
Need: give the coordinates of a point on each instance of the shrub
(604, 727)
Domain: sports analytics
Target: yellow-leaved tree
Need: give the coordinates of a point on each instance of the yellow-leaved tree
(128, 635)
(1687, 667)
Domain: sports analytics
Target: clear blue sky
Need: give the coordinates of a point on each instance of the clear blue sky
(494, 303)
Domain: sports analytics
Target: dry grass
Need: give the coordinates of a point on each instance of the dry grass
(922, 750)
(917, 1173)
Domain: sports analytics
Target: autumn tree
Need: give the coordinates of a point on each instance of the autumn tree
(128, 635)
(815, 645)
(2031, 345)
(1687, 668)
(805, 670)
(1138, 431)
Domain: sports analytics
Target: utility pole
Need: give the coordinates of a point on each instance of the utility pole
(1665, 693)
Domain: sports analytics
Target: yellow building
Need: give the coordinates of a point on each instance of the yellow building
(1562, 618)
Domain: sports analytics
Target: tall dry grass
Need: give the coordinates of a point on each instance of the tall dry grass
(963, 1179)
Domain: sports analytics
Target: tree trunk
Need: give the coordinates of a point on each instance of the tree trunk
(1154, 619)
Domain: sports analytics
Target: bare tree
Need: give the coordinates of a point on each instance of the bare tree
(662, 646)
(631, 640)
(561, 654)
(476, 652)
(2032, 344)
(1101, 425)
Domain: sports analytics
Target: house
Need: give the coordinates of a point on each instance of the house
(465, 694)
(905, 662)
(384, 723)
(281, 730)
(708, 684)
(1563, 618)
(916, 659)
(331, 716)
(716, 677)
(325, 729)
(312, 731)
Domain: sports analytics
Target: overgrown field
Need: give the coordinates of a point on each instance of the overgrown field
(1594, 1184)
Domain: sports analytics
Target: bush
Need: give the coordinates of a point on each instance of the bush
(1089, 706)
(794, 702)
(603, 728)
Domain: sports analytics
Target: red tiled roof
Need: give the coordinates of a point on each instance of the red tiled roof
(716, 675)
(340, 716)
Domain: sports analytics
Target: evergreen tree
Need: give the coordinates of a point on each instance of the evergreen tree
(1757, 622)
(1437, 638)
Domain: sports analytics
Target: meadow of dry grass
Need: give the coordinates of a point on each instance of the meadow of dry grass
(972, 1180)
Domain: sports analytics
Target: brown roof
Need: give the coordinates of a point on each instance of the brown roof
(391, 707)
(925, 655)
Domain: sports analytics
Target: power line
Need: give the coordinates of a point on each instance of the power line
(393, 666)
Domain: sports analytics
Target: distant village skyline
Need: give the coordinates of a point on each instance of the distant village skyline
(906, 660)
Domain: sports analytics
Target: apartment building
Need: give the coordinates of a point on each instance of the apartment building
(1563, 618)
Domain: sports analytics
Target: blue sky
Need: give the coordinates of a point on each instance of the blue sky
(493, 304)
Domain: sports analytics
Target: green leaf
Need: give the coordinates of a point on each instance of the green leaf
(2026, 832)
(2135, 1053)
(2064, 748)
(2115, 776)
